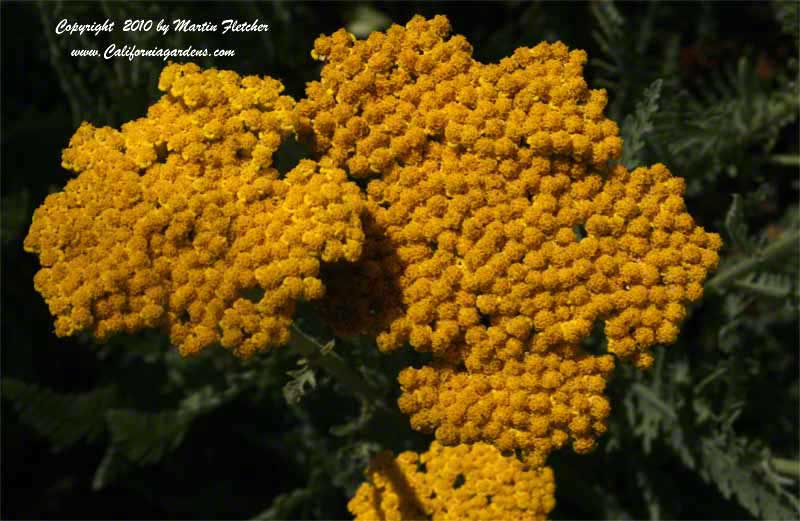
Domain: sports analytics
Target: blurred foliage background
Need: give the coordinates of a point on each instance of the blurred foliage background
(131, 430)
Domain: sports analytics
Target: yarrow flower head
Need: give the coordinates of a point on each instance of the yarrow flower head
(485, 172)
(494, 229)
(462, 482)
(499, 229)
(179, 220)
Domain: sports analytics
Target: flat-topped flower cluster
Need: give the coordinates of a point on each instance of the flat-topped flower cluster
(176, 217)
(493, 229)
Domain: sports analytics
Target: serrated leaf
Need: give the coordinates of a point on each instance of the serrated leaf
(611, 23)
(736, 226)
(771, 285)
(141, 438)
(639, 125)
(726, 467)
(63, 419)
(144, 438)
(715, 129)
(717, 455)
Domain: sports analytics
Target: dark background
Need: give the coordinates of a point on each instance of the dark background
(236, 459)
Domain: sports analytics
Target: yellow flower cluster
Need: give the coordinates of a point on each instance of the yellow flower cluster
(651, 260)
(498, 232)
(382, 102)
(463, 482)
(485, 174)
(179, 221)
(535, 405)
(494, 231)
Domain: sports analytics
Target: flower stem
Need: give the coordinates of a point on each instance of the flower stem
(331, 363)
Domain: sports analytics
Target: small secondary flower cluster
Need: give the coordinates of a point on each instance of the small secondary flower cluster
(463, 482)
(534, 405)
(493, 231)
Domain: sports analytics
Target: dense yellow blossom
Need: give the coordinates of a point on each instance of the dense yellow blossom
(463, 482)
(498, 232)
(484, 172)
(494, 230)
(178, 220)
(535, 405)
(381, 102)
(653, 265)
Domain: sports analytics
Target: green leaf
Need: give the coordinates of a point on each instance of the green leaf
(113, 465)
(778, 249)
(771, 285)
(284, 505)
(736, 226)
(727, 466)
(64, 419)
(716, 130)
(139, 439)
(295, 389)
(610, 32)
(638, 125)
(144, 438)
(682, 414)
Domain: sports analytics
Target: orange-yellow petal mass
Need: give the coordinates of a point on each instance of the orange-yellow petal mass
(179, 220)
(468, 482)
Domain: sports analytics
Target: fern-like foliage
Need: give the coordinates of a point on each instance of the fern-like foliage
(664, 408)
(625, 66)
(701, 401)
(139, 438)
(63, 419)
(739, 469)
(609, 34)
(766, 264)
(637, 126)
(718, 127)
(736, 226)
(610, 37)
